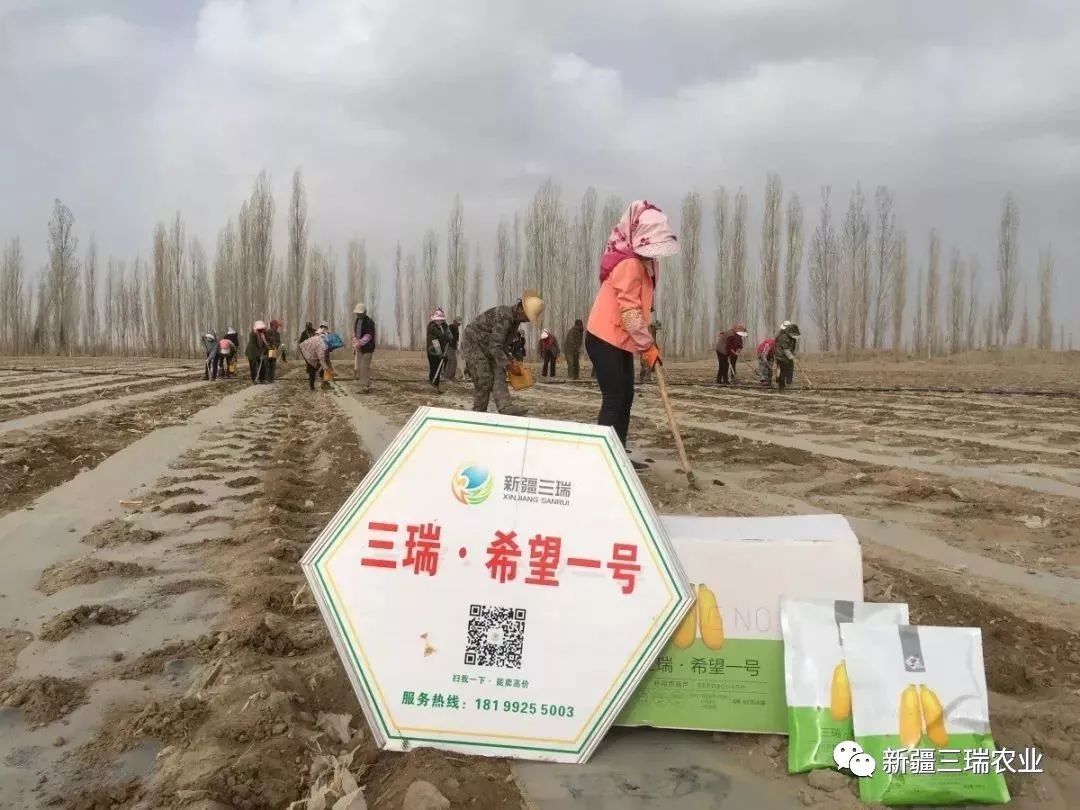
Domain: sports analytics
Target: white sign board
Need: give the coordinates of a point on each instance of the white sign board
(497, 586)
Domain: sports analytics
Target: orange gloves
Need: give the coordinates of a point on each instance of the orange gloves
(651, 356)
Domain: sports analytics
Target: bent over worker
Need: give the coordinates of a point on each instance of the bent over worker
(786, 341)
(487, 343)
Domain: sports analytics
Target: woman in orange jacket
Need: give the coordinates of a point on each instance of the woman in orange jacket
(619, 322)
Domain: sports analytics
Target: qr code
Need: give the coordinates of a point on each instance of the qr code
(496, 637)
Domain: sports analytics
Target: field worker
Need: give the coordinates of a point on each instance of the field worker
(309, 330)
(234, 349)
(729, 345)
(618, 324)
(273, 352)
(256, 352)
(488, 345)
(316, 353)
(450, 367)
(644, 373)
(786, 342)
(766, 354)
(363, 346)
(549, 353)
(210, 348)
(438, 342)
(575, 337)
(517, 346)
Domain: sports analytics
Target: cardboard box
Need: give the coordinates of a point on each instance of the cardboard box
(747, 563)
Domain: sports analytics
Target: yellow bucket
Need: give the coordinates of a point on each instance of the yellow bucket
(520, 377)
(232, 368)
(272, 353)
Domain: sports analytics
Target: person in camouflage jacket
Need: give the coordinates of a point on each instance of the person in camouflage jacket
(487, 344)
(575, 337)
(786, 342)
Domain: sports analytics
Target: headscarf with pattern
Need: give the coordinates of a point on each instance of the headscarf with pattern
(642, 231)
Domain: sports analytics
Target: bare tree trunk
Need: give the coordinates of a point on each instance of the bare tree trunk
(11, 297)
(918, 325)
(990, 325)
(690, 254)
(722, 303)
(1046, 291)
(973, 304)
(955, 303)
(609, 218)
(503, 259)
(857, 277)
(886, 227)
(429, 260)
(374, 294)
(770, 249)
(203, 298)
(315, 296)
(545, 228)
(456, 260)
(416, 304)
(585, 260)
(225, 277)
(794, 261)
(1008, 273)
(933, 288)
(63, 277)
(298, 251)
(356, 277)
(899, 277)
(177, 238)
(1025, 325)
(476, 287)
(90, 307)
(740, 292)
(823, 273)
(400, 303)
(517, 263)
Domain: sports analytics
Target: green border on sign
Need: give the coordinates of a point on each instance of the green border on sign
(370, 485)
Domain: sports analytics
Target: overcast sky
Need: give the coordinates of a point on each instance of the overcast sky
(128, 110)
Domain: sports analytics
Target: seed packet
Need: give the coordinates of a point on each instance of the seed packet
(815, 678)
(920, 710)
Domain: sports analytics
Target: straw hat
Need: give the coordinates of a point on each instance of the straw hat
(533, 305)
(259, 326)
(360, 309)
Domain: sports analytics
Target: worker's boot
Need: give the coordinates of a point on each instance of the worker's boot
(513, 409)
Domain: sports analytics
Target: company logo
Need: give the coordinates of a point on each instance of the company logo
(472, 484)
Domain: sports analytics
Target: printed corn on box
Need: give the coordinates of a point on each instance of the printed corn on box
(723, 669)
(921, 711)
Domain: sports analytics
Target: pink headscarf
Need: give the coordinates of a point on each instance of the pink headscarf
(438, 315)
(643, 231)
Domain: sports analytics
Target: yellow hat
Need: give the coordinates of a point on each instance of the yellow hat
(533, 305)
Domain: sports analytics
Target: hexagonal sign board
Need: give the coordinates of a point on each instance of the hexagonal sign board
(497, 586)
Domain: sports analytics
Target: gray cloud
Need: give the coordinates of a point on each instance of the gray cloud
(130, 110)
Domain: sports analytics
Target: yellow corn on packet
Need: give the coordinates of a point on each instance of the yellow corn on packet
(920, 711)
(818, 694)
